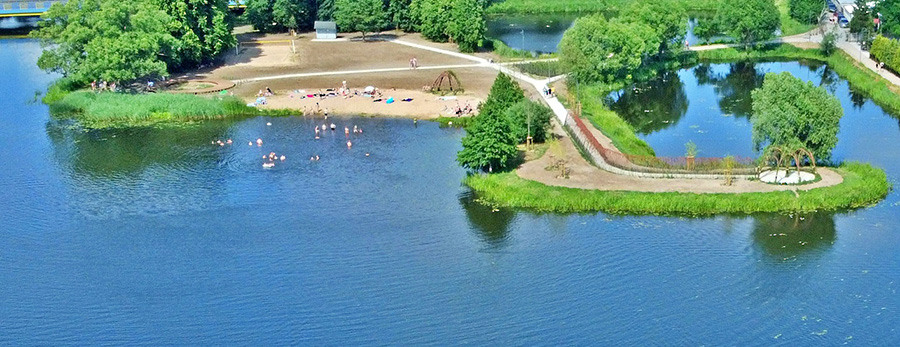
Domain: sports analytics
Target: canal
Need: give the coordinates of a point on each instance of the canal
(158, 237)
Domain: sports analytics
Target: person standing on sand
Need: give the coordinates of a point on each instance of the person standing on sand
(415, 63)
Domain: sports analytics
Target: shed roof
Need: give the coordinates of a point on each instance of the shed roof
(324, 25)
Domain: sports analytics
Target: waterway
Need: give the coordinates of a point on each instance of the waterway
(530, 32)
(157, 237)
(710, 104)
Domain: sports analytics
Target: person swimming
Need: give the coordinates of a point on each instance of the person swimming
(259, 142)
(349, 144)
(333, 126)
(282, 157)
(229, 141)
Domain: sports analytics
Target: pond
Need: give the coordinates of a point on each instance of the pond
(710, 104)
(530, 32)
(158, 237)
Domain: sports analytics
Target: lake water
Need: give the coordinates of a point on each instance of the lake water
(710, 104)
(157, 237)
(534, 33)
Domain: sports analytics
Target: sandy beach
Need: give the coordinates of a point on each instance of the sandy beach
(423, 105)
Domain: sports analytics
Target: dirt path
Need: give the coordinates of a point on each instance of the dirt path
(583, 175)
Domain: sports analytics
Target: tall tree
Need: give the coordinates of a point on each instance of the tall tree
(597, 49)
(400, 14)
(365, 16)
(862, 24)
(490, 142)
(467, 27)
(792, 113)
(281, 15)
(112, 40)
(890, 16)
(667, 18)
(504, 94)
(203, 29)
(749, 21)
(806, 11)
(325, 10)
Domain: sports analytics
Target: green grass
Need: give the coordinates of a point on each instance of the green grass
(116, 110)
(790, 26)
(457, 122)
(608, 122)
(863, 186)
(543, 68)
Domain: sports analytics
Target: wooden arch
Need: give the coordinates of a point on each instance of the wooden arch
(448, 76)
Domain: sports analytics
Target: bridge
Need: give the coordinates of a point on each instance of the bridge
(30, 8)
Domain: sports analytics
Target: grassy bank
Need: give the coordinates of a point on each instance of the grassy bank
(790, 26)
(507, 53)
(863, 185)
(116, 110)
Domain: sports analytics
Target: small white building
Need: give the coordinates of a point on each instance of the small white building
(325, 30)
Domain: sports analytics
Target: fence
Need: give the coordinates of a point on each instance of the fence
(656, 167)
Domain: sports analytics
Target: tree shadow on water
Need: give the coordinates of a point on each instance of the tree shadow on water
(492, 224)
(788, 236)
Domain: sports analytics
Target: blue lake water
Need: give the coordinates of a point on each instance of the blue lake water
(156, 237)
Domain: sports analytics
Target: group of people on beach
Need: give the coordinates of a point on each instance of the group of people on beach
(265, 92)
(463, 111)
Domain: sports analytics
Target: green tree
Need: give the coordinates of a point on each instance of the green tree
(862, 24)
(259, 14)
(806, 11)
(467, 27)
(504, 94)
(490, 142)
(365, 16)
(100, 39)
(529, 118)
(890, 16)
(667, 18)
(829, 43)
(706, 29)
(281, 15)
(749, 21)
(202, 28)
(791, 113)
(400, 14)
(325, 10)
(596, 49)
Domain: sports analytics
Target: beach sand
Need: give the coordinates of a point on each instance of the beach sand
(424, 105)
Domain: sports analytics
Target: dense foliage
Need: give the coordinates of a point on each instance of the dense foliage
(103, 39)
(365, 16)
(529, 118)
(459, 21)
(281, 15)
(862, 24)
(749, 21)
(788, 112)
(887, 51)
(505, 119)
(667, 18)
(890, 16)
(597, 49)
(202, 29)
(806, 11)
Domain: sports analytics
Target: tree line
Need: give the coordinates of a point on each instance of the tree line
(125, 40)
(647, 35)
(458, 21)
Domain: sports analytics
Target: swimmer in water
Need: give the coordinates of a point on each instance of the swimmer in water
(367, 154)
(349, 144)
(268, 165)
(346, 131)
(282, 158)
(250, 143)
(333, 126)
(229, 141)
(355, 130)
(259, 142)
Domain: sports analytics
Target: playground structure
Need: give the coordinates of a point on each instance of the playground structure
(449, 77)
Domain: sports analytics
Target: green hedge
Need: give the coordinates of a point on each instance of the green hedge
(887, 51)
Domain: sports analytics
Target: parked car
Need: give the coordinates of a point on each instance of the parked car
(843, 22)
(831, 7)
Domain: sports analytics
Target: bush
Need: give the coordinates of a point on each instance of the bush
(529, 116)
(887, 51)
